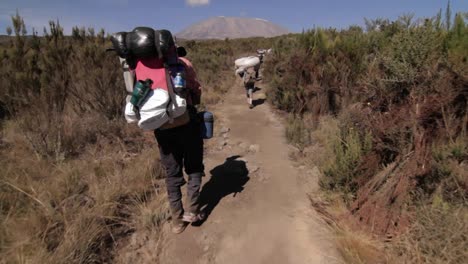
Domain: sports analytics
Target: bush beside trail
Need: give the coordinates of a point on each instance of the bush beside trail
(75, 178)
(389, 108)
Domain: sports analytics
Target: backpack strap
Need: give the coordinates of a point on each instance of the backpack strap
(170, 90)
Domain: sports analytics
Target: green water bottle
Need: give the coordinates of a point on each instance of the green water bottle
(140, 91)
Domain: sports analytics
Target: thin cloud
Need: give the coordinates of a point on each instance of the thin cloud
(121, 3)
(197, 2)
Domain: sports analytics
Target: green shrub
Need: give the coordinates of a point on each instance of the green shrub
(348, 147)
(297, 133)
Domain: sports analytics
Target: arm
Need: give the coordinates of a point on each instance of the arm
(192, 82)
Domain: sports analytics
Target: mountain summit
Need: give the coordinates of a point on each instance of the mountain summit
(231, 27)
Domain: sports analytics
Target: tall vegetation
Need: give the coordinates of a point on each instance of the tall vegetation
(398, 92)
(70, 176)
(76, 180)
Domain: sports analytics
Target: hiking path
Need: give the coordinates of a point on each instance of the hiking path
(256, 196)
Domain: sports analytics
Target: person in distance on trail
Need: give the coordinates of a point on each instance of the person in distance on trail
(250, 74)
(248, 80)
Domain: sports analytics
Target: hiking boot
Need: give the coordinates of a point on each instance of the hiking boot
(192, 217)
(178, 227)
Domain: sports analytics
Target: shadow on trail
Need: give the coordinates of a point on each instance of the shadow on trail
(256, 89)
(258, 102)
(227, 178)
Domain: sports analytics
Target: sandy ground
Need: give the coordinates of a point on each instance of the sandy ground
(255, 194)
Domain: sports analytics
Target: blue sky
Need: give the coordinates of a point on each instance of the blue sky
(175, 15)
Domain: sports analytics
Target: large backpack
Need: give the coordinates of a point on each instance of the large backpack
(148, 54)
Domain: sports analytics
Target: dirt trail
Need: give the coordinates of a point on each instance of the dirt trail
(260, 212)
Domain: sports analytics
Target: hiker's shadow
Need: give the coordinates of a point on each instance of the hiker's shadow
(227, 178)
(258, 101)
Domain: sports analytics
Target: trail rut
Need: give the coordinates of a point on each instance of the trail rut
(256, 195)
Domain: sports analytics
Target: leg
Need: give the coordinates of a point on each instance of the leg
(193, 162)
(171, 153)
(257, 70)
(249, 86)
(193, 192)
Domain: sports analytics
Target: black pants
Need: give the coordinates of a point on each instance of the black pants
(182, 147)
(249, 87)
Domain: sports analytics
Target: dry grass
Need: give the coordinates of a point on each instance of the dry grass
(73, 211)
(439, 226)
(354, 246)
(214, 93)
(359, 248)
(438, 236)
(327, 131)
(439, 232)
(297, 133)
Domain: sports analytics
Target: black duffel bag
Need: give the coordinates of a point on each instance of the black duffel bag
(145, 42)
(119, 43)
(141, 42)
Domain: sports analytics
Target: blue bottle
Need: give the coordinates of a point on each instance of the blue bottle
(179, 81)
(207, 124)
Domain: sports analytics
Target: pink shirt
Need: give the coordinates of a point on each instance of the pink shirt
(153, 68)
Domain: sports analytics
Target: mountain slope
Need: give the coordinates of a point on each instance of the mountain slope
(231, 27)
